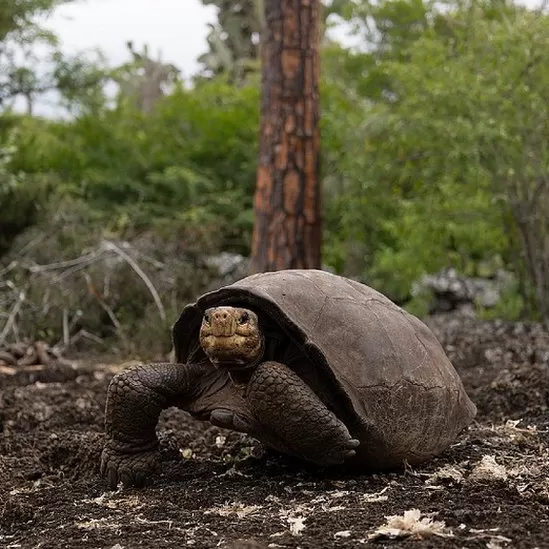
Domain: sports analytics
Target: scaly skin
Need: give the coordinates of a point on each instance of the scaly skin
(235, 389)
(294, 420)
(135, 398)
(231, 337)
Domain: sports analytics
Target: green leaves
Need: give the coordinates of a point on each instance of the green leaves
(21, 199)
(435, 146)
(192, 159)
(455, 140)
(20, 33)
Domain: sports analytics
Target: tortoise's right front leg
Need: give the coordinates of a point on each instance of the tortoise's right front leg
(294, 420)
(135, 398)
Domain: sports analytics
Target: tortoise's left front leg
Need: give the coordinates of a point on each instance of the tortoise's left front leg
(293, 419)
(135, 398)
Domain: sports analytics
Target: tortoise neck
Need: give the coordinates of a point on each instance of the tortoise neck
(242, 375)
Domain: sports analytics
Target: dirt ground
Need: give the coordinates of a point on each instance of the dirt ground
(219, 489)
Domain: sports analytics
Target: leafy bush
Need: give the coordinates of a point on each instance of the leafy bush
(22, 198)
(433, 155)
(193, 159)
(69, 282)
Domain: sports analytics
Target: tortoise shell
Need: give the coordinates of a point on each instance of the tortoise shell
(379, 368)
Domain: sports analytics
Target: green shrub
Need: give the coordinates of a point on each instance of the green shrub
(22, 199)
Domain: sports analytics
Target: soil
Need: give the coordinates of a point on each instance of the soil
(219, 489)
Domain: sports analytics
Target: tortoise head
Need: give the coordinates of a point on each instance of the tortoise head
(231, 337)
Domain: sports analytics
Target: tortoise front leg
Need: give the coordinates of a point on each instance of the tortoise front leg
(294, 420)
(135, 398)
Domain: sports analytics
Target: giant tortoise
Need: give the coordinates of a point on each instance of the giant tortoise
(310, 363)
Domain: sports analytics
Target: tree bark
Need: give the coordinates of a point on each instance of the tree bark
(288, 227)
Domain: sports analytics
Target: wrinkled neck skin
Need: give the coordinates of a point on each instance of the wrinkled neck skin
(241, 375)
(274, 346)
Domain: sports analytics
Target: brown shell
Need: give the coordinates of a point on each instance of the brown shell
(407, 400)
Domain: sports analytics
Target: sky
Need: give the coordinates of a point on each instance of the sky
(175, 28)
(174, 31)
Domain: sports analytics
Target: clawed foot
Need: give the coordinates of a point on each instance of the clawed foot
(227, 419)
(339, 453)
(131, 469)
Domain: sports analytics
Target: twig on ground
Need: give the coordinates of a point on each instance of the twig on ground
(106, 308)
(86, 335)
(84, 259)
(66, 333)
(65, 342)
(108, 245)
(32, 243)
(76, 268)
(10, 323)
(9, 268)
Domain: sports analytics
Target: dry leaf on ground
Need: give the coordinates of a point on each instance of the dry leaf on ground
(411, 524)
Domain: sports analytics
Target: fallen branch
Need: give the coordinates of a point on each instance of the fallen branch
(86, 335)
(66, 333)
(11, 318)
(65, 342)
(131, 262)
(9, 268)
(24, 355)
(106, 308)
(84, 259)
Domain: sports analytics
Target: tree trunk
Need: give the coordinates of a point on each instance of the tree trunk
(287, 232)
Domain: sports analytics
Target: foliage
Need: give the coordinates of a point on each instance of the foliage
(22, 198)
(115, 295)
(234, 41)
(192, 159)
(468, 128)
(80, 80)
(19, 34)
(18, 17)
(452, 169)
(434, 154)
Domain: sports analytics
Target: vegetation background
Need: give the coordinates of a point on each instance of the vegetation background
(435, 151)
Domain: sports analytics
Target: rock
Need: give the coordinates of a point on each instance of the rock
(227, 268)
(452, 291)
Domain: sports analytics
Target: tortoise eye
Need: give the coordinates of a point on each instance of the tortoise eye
(244, 318)
(207, 318)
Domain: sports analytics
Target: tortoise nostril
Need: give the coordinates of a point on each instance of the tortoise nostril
(221, 315)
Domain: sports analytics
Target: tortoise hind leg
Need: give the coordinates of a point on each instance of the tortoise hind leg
(294, 420)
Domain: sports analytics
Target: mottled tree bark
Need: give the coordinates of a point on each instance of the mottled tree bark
(287, 232)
